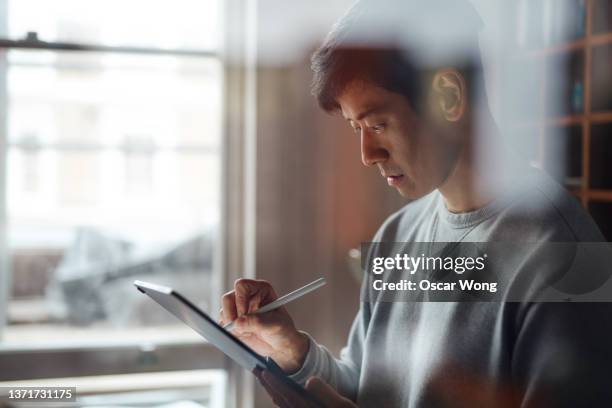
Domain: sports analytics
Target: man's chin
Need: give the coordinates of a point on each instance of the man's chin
(409, 191)
(411, 195)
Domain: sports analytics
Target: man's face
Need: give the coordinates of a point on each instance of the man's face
(414, 154)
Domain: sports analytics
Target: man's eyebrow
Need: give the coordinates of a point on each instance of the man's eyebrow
(369, 111)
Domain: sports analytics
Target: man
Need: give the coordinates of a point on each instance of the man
(416, 103)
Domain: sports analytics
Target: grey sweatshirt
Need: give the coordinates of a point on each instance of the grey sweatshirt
(464, 354)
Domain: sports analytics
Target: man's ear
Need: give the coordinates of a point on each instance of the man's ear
(450, 93)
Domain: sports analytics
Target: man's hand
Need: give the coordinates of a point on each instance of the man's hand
(285, 397)
(270, 334)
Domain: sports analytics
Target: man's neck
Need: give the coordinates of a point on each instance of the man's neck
(483, 171)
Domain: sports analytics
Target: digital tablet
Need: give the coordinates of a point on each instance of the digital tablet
(231, 346)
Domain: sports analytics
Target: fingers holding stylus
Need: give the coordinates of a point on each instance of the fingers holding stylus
(254, 314)
(229, 311)
(250, 294)
(247, 297)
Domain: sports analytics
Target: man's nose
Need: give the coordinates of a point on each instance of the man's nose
(372, 151)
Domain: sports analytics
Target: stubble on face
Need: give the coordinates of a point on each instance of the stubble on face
(409, 145)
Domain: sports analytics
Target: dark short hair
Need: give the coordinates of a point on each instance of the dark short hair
(354, 51)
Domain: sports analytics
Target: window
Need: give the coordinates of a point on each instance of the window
(113, 160)
(113, 124)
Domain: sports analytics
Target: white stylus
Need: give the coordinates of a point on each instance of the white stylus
(283, 300)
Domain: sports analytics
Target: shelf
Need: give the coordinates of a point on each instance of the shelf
(563, 155)
(559, 48)
(600, 167)
(567, 101)
(564, 95)
(602, 214)
(602, 16)
(601, 39)
(569, 120)
(601, 74)
(600, 195)
(594, 41)
(601, 117)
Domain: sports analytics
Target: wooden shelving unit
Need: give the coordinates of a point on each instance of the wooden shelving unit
(573, 119)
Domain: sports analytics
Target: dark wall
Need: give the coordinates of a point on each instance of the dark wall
(315, 201)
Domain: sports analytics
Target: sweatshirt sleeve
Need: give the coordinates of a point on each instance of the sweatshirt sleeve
(342, 373)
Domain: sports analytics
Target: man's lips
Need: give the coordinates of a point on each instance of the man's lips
(395, 180)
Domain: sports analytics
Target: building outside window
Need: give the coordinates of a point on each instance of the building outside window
(112, 129)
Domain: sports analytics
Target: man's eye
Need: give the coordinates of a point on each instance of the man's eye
(378, 128)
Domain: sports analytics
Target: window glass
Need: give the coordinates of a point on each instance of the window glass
(113, 174)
